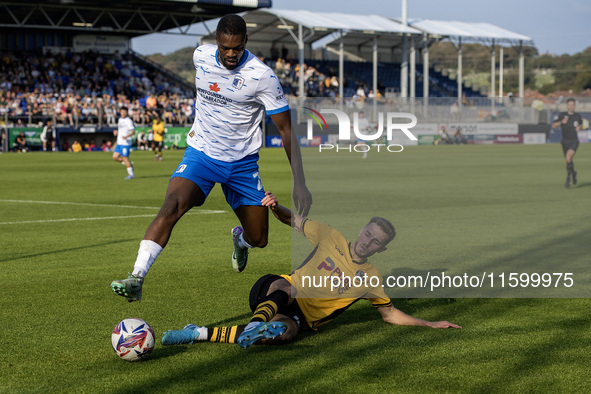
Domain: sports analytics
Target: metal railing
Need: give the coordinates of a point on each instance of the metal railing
(431, 110)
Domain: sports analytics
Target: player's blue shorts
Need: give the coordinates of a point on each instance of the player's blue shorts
(123, 150)
(240, 180)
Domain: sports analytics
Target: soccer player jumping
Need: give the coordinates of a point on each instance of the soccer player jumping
(234, 89)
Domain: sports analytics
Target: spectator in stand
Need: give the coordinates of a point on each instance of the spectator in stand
(110, 112)
(106, 146)
(188, 113)
(45, 84)
(76, 147)
(360, 93)
(168, 114)
(2, 139)
(99, 109)
(86, 114)
(137, 116)
(151, 103)
(142, 140)
(444, 137)
(20, 143)
(458, 137)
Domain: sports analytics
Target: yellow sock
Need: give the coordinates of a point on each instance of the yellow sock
(265, 311)
(225, 334)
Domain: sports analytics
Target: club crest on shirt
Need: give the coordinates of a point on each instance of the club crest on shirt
(280, 96)
(238, 82)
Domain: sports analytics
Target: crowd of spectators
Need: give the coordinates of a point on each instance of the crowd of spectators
(321, 82)
(89, 88)
(86, 88)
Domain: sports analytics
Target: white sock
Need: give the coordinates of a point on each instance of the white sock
(146, 255)
(130, 170)
(242, 243)
(202, 333)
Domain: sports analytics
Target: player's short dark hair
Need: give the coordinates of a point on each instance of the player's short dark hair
(124, 108)
(231, 25)
(570, 99)
(386, 226)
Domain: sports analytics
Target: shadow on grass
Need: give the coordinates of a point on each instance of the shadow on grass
(164, 352)
(67, 250)
(507, 347)
(509, 344)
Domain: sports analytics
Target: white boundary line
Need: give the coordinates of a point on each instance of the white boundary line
(199, 212)
(77, 203)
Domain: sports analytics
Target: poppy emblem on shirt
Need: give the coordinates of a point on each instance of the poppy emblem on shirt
(214, 87)
(238, 82)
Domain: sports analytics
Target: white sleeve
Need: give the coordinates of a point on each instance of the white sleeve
(130, 125)
(270, 94)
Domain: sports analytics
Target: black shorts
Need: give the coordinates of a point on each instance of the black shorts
(259, 291)
(569, 144)
(158, 144)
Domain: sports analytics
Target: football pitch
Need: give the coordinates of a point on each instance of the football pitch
(70, 224)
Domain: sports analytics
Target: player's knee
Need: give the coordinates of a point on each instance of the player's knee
(283, 285)
(171, 210)
(259, 241)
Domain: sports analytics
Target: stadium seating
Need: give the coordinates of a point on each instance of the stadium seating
(361, 74)
(88, 87)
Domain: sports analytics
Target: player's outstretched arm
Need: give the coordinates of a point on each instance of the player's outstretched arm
(301, 195)
(283, 214)
(397, 317)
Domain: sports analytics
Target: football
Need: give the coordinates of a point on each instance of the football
(132, 339)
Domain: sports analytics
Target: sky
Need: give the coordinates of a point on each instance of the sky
(555, 27)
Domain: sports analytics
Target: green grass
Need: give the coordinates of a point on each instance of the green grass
(455, 208)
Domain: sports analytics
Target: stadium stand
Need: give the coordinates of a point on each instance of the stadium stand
(360, 74)
(87, 88)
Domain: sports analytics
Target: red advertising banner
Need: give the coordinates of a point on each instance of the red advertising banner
(509, 139)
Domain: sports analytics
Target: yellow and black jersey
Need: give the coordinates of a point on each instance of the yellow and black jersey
(329, 280)
(158, 129)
